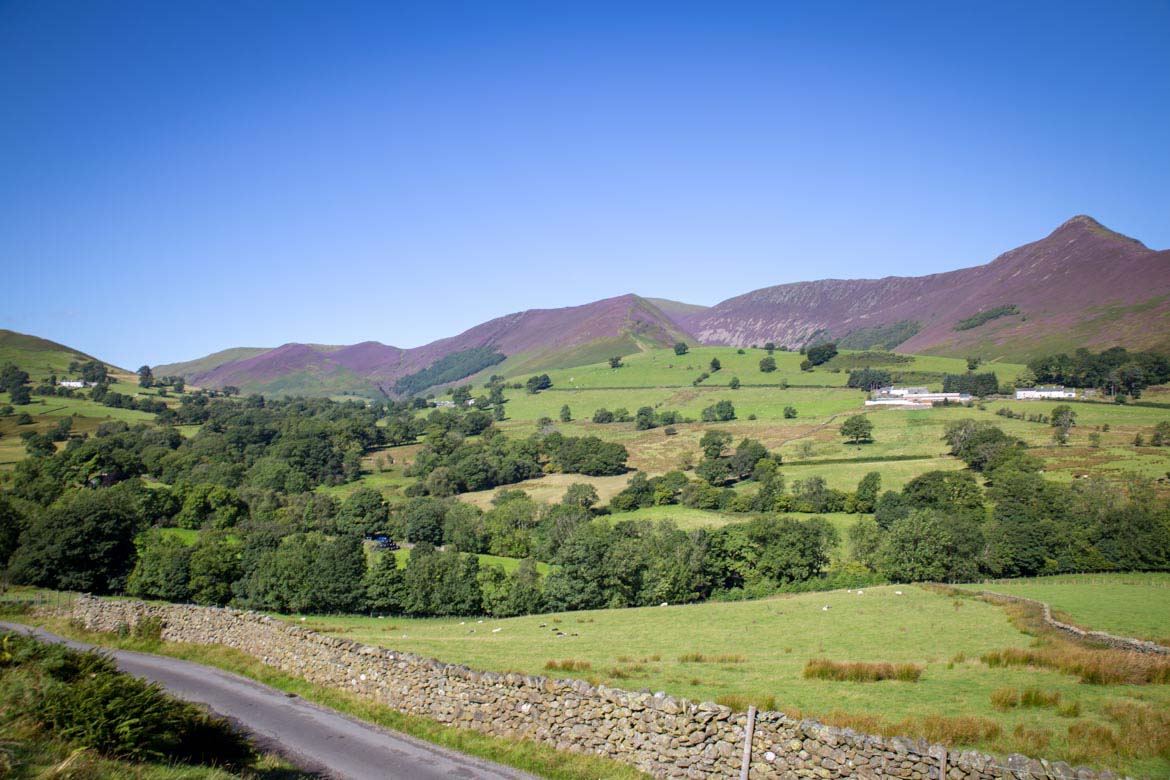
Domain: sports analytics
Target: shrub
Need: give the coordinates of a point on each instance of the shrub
(82, 699)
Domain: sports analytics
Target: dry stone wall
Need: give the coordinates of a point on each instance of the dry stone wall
(660, 735)
(1076, 632)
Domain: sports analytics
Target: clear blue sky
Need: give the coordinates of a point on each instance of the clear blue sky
(181, 177)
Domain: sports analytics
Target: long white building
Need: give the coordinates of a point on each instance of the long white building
(1038, 393)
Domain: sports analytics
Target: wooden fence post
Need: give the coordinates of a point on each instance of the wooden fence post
(747, 743)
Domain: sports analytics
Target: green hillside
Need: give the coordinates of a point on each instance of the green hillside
(41, 357)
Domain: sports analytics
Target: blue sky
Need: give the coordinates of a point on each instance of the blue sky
(181, 177)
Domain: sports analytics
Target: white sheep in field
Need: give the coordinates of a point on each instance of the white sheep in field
(825, 608)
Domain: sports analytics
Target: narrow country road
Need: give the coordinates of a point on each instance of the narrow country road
(313, 737)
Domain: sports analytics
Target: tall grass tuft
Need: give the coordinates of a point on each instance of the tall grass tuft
(1091, 665)
(740, 702)
(568, 665)
(860, 671)
(702, 658)
(1008, 698)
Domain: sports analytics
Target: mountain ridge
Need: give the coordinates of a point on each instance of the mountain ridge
(1081, 285)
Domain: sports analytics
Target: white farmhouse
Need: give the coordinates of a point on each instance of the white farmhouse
(1038, 393)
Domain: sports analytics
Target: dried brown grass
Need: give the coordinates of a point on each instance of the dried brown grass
(860, 671)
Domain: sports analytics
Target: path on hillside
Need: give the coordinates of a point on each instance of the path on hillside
(314, 737)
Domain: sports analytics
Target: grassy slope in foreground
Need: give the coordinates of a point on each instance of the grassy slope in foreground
(1135, 605)
(636, 648)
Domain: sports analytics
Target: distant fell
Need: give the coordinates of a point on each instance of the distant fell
(208, 363)
(530, 340)
(1082, 285)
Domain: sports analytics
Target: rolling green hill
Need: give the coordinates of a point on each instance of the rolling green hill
(41, 357)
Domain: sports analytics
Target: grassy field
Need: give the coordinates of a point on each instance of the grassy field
(1127, 604)
(756, 652)
(550, 489)
(46, 414)
(663, 368)
(690, 519)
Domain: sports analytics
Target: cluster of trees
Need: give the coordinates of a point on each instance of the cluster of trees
(146, 378)
(39, 445)
(644, 419)
(987, 315)
(819, 354)
(283, 447)
(721, 411)
(971, 383)
(604, 416)
(647, 418)
(945, 526)
(449, 464)
(537, 383)
(869, 379)
(449, 368)
(106, 397)
(712, 489)
(291, 563)
(1115, 371)
(720, 467)
(14, 381)
(92, 371)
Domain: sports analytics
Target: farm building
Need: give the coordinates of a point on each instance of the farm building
(1037, 393)
(913, 398)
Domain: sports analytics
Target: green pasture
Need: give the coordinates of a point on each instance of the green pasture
(845, 476)
(764, 402)
(1135, 605)
(663, 368)
(766, 644)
